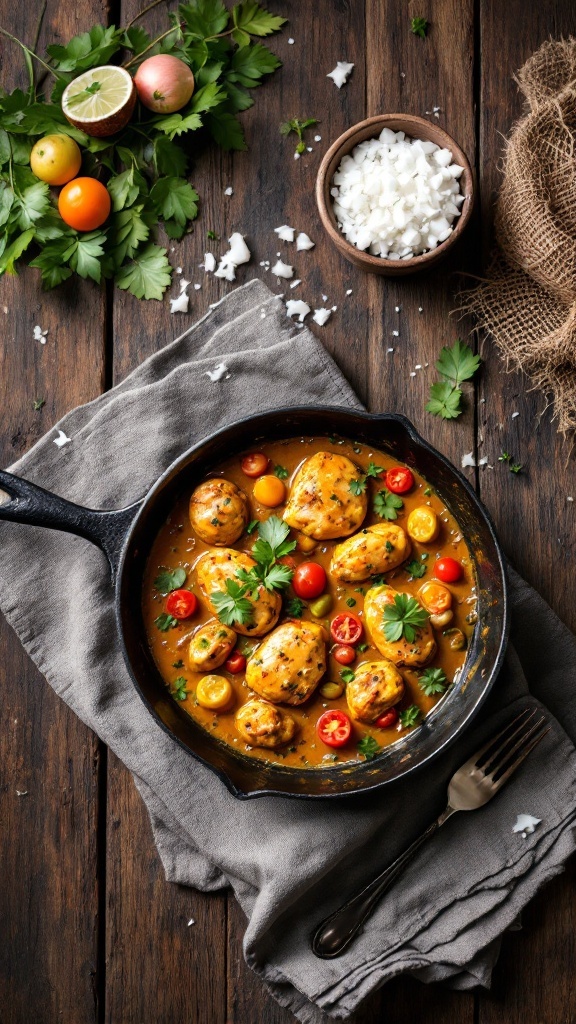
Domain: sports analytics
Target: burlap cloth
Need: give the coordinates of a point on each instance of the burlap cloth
(289, 862)
(528, 303)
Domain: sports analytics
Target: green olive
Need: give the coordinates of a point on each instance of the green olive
(332, 690)
(457, 639)
(321, 606)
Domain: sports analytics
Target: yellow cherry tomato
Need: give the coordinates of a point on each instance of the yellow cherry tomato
(332, 690)
(435, 597)
(423, 524)
(214, 692)
(305, 544)
(269, 491)
(55, 159)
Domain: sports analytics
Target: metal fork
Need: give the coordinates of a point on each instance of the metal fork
(472, 786)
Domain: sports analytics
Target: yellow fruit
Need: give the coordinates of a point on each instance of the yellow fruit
(100, 101)
(423, 525)
(214, 692)
(55, 159)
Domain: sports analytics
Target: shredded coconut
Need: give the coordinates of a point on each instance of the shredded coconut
(514, 415)
(61, 440)
(285, 233)
(191, 921)
(526, 823)
(197, 287)
(296, 307)
(180, 303)
(317, 138)
(229, 191)
(341, 73)
(321, 316)
(209, 262)
(281, 269)
(291, 41)
(217, 373)
(40, 335)
(348, 291)
(304, 242)
(238, 253)
(468, 460)
(294, 284)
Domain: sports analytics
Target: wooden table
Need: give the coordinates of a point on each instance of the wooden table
(90, 931)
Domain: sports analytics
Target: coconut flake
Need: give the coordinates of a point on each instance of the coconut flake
(21, 792)
(217, 373)
(296, 307)
(317, 138)
(348, 291)
(321, 316)
(229, 191)
(340, 73)
(304, 242)
(209, 263)
(294, 284)
(526, 823)
(40, 335)
(468, 460)
(190, 922)
(239, 251)
(285, 233)
(197, 287)
(290, 41)
(514, 415)
(180, 304)
(61, 440)
(281, 269)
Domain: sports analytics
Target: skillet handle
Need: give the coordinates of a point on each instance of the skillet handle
(34, 506)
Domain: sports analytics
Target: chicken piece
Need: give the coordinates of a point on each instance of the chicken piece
(377, 686)
(212, 571)
(288, 665)
(210, 646)
(219, 511)
(321, 504)
(262, 725)
(399, 652)
(373, 550)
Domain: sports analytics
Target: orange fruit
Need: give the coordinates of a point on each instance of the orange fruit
(84, 204)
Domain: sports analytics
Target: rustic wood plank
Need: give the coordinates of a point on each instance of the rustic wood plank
(49, 895)
(533, 978)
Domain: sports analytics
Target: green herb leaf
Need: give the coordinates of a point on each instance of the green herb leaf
(444, 401)
(415, 569)
(386, 504)
(410, 716)
(277, 577)
(357, 487)
(148, 275)
(30, 205)
(84, 254)
(368, 747)
(164, 622)
(280, 472)
(226, 129)
(458, 363)
(254, 20)
(179, 691)
(168, 580)
(178, 664)
(432, 680)
(38, 404)
(361, 647)
(351, 601)
(516, 467)
(373, 470)
(274, 531)
(231, 605)
(419, 26)
(174, 199)
(252, 525)
(504, 457)
(403, 618)
(295, 606)
(347, 675)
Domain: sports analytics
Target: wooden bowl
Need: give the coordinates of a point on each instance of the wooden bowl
(416, 128)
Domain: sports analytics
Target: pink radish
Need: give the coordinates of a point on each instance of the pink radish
(164, 83)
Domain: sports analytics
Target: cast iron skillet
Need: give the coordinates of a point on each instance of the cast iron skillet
(126, 537)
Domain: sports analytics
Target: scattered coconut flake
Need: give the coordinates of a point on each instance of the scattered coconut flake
(217, 373)
(61, 440)
(191, 921)
(178, 270)
(395, 334)
(396, 309)
(296, 155)
(262, 314)
(285, 233)
(180, 304)
(526, 823)
(348, 291)
(484, 461)
(296, 307)
(184, 284)
(412, 374)
(324, 298)
(238, 253)
(482, 401)
(321, 316)
(290, 41)
(226, 269)
(420, 310)
(197, 287)
(334, 308)
(229, 191)
(317, 138)
(294, 284)
(514, 415)
(304, 242)
(418, 366)
(40, 335)
(340, 73)
(389, 349)
(21, 792)
(468, 460)
(569, 498)
(209, 262)
(281, 269)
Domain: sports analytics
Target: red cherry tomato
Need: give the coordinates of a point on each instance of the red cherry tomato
(334, 728)
(309, 580)
(255, 464)
(346, 629)
(235, 663)
(389, 718)
(181, 604)
(448, 570)
(399, 480)
(344, 654)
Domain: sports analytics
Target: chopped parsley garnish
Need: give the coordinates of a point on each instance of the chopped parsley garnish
(252, 525)
(389, 546)
(38, 404)
(386, 504)
(164, 622)
(232, 605)
(427, 491)
(516, 467)
(403, 618)
(215, 522)
(212, 236)
(203, 642)
(374, 470)
(419, 26)
(455, 365)
(351, 601)
(280, 472)
(410, 716)
(368, 747)
(180, 692)
(178, 664)
(361, 647)
(347, 675)
(444, 400)
(415, 569)
(169, 579)
(432, 680)
(298, 127)
(358, 486)
(295, 606)
(424, 556)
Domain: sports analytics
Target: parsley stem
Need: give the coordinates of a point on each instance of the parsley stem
(150, 46)
(30, 53)
(143, 12)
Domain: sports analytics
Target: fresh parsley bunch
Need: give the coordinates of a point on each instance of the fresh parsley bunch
(233, 604)
(455, 365)
(144, 166)
(403, 618)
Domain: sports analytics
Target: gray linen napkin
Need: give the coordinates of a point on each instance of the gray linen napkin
(289, 862)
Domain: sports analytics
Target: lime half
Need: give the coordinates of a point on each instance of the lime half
(100, 101)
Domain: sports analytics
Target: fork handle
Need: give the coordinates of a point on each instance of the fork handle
(336, 932)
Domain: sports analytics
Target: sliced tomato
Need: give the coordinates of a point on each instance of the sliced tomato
(181, 604)
(309, 580)
(334, 728)
(344, 654)
(448, 570)
(389, 718)
(346, 629)
(255, 464)
(235, 663)
(399, 480)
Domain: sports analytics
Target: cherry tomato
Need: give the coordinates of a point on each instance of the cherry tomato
(346, 629)
(84, 204)
(269, 491)
(399, 480)
(435, 598)
(448, 570)
(235, 663)
(423, 524)
(309, 580)
(344, 654)
(55, 159)
(181, 604)
(389, 718)
(255, 464)
(214, 692)
(334, 728)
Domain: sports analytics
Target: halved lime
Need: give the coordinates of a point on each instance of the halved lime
(100, 101)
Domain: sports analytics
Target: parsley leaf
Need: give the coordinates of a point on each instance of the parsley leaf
(232, 606)
(504, 457)
(170, 579)
(252, 525)
(458, 363)
(386, 504)
(347, 675)
(298, 127)
(280, 472)
(368, 747)
(178, 664)
(277, 577)
(350, 601)
(174, 199)
(180, 692)
(357, 486)
(147, 275)
(415, 569)
(38, 404)
(374, 470)
(516, 467)
(274, 531)
(295, 607)
(410, 716)
(444, 400)
(419, 26)
(251, 18)
(403, 618)
(432, 680)
(164, 622)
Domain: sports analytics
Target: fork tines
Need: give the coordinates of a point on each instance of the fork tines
(506, 751)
